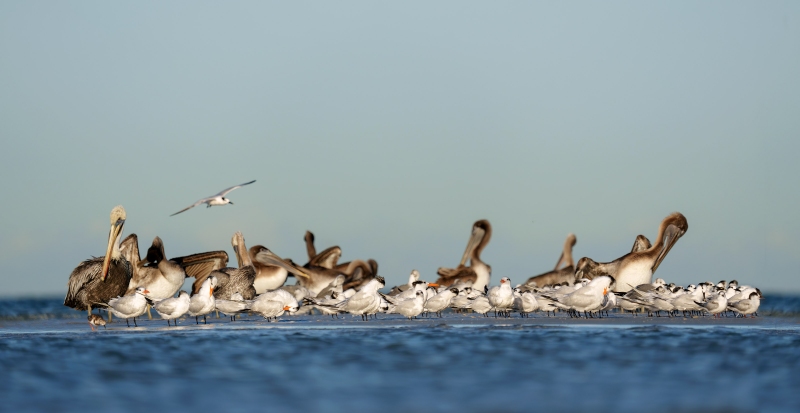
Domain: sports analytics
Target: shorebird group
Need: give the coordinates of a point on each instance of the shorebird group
(127, 285)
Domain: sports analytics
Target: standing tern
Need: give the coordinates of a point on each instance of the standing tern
(203, 302)
(129, 306)
(173, 308)
(413, 307)
(440, 301)
(501, 297)
(747, 306)
(231, 307)
(214, 200)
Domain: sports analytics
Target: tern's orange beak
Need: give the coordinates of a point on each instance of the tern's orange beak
(286, 308)
(146, 291)
(434, 285)
(605, 291)
(211, 291)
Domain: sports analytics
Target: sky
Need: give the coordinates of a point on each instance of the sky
(388, 128)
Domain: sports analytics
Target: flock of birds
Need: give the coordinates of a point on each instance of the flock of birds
(128, 285)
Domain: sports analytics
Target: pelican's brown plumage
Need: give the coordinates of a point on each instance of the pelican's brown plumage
(478, 273)
(311, 250)
(232, 280)
(314, 278)
(359, 273)
(591, 269)
(164, 277)
(268, 277)
(564, 270)
(328, 258)
(97, 280)
(637, 267)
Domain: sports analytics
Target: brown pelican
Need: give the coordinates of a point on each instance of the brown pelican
(95, 281)
(478, 272)
(231, 280)
(213, 200)
(314, 279)
(359, 273)
(268, 277)
(637, 267)
(310, 248)
(558, 275)
(591, 269)
(328, 258)
(161, 277)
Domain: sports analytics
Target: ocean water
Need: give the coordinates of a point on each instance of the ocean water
(51, 361)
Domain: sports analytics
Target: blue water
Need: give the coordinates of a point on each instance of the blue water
(51, 361)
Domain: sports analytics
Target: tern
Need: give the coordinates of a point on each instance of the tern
(129, 306)
(173, 308)
(214, 200)
(203, 302)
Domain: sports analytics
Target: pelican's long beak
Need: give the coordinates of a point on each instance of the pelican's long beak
(474, 240)
(671, 236)
(113, 235)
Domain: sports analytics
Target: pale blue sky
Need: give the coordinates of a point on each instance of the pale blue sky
(389, 128)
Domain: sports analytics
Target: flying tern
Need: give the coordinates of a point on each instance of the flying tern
(214, 200)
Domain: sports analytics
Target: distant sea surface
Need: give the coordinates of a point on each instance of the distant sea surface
(51, 361)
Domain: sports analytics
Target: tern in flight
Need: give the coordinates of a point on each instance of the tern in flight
(218, 199)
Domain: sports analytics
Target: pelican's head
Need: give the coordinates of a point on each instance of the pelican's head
(584, 268)
(117, 222)
(672, 228)
(571, 239)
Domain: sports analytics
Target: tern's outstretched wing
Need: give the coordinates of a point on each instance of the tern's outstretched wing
(225, 192)
(193, 205)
